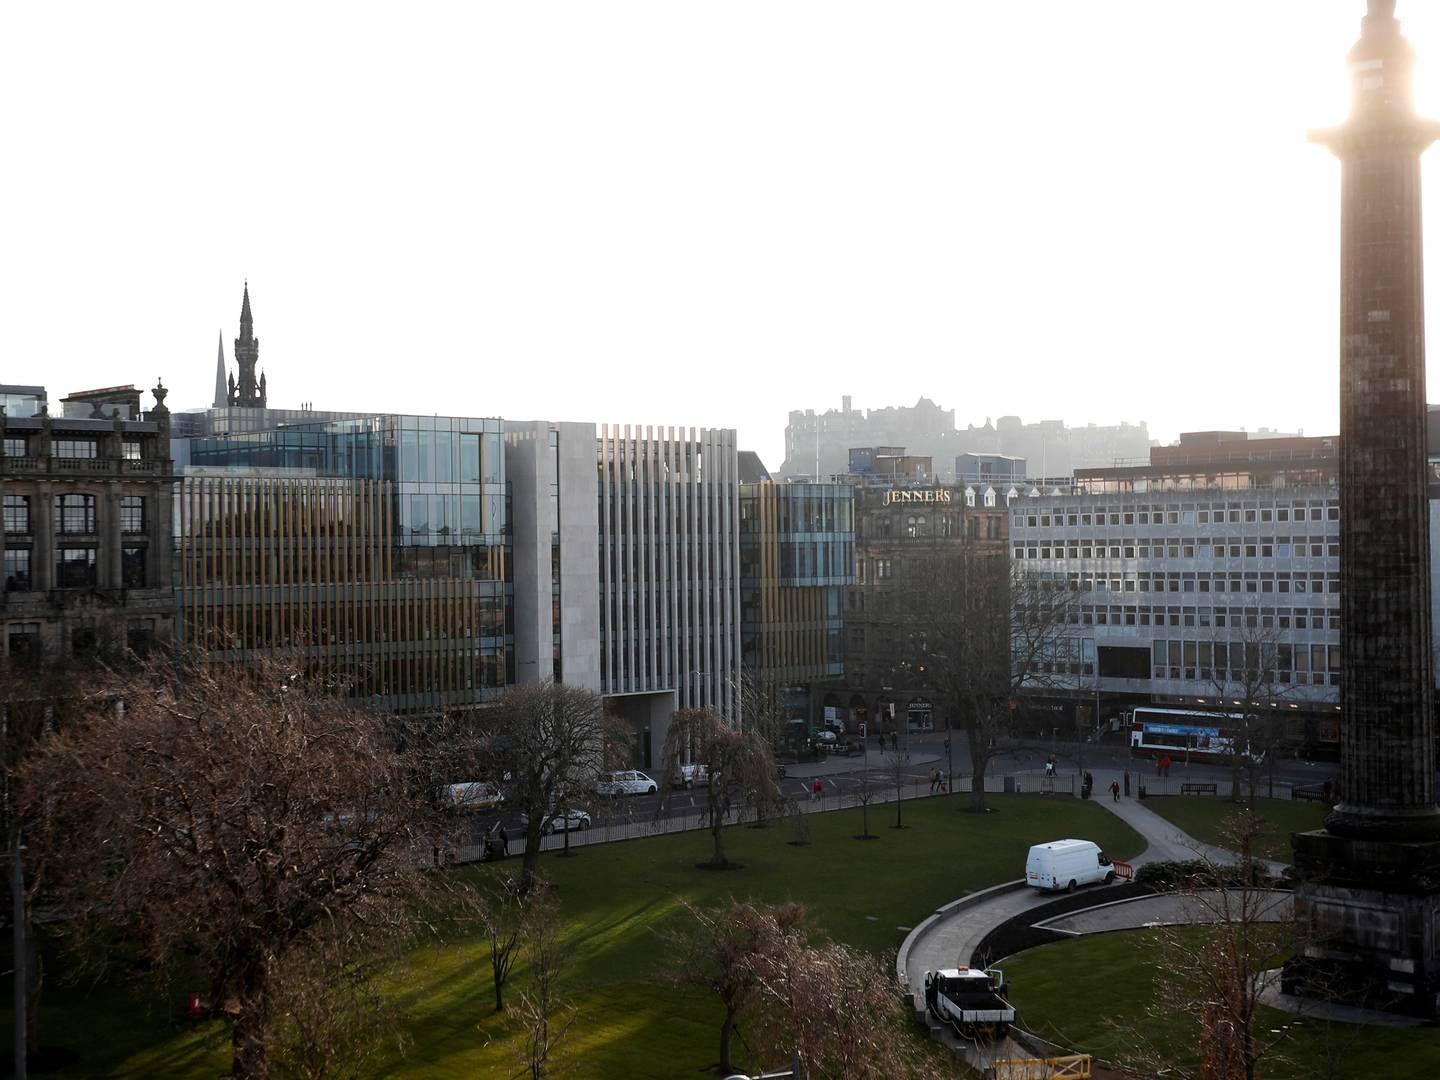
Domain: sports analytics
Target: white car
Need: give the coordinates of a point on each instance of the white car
(561, 821)
(689, 775)
(627, 782)
(473, 795)
(825, 735)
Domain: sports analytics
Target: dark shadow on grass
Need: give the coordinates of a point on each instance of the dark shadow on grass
(865, 836)
(720, 866)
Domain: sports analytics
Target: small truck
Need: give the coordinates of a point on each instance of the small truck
(970, 1000)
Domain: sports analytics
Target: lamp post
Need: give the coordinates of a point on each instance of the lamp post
(17, 891)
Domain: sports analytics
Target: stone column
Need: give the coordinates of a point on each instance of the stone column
(110, 569)
(42, 522)
(1387, 732)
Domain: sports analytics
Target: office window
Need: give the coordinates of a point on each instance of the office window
(17, 514)
(132, 513)
(75, 448)
(130, 449)
(75, 568)
(15, 446)
(75, 515)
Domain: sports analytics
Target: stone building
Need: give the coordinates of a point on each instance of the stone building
(86, 536)
(901, 528)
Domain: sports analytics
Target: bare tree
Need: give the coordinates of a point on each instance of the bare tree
(545, 1017)
(545, 742)
(981, 628)
(501, 908)
(37, 695)
(762, 712)
(865, 795)
(1246, 673)
(1216, 978)
(730, 756)
(336, 1018)
(234, 815)
(897, 766)
(834, 1011)
(723, 953)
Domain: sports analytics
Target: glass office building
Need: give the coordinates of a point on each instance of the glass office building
(437, 625)
(797, 554)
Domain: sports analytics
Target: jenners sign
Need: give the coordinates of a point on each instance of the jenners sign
(903, 495)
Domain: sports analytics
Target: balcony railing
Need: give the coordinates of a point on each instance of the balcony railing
(58, 466)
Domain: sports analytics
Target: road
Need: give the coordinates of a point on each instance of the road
(845, 775)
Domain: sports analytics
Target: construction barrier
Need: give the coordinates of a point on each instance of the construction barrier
(1068, 1067)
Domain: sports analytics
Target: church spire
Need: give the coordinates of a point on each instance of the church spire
(222, 396)
(247, 357)
(247, 323)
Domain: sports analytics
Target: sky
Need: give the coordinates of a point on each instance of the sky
(690, 213)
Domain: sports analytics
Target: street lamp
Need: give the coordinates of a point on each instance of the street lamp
(17, 891)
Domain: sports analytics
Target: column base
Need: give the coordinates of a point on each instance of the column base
(1367, 923)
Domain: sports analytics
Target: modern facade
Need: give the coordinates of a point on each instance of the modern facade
(1182, 569)
(669, 581)
(797, 557)
(382, 546)
(21, 401)
(85, 540)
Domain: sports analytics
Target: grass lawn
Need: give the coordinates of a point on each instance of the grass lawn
(1206, 818)
(622, 906)
(1084, 993)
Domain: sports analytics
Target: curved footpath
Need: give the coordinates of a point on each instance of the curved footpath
(949, 937)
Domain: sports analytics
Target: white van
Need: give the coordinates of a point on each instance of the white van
(1064, 864)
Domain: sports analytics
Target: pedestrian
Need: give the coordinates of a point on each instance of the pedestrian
(1050, 767)
(1115, 790)
(504, 842)
(816, 789)
(944, 781)
(934, 780)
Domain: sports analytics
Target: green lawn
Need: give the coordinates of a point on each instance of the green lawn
(1208, 818)
(622, 905)
(1090, 992)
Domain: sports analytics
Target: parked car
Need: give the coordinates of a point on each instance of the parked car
(688, 776)
(826, 736)
(626, 782)
(560, 821)
(473, 795)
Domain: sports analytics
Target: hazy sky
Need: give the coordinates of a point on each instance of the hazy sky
(690, 213)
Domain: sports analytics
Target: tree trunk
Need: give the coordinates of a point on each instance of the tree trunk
(979, 761)
(250, 1034)
(532, 852)
(725, 1032)
(717, 857)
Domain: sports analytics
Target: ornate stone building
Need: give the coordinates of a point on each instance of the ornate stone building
(86, 537)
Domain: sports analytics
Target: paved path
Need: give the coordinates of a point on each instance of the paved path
(951, 936)
(1170, 909)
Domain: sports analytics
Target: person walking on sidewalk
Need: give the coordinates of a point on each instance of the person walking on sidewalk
(816, 789)
(1115, 789)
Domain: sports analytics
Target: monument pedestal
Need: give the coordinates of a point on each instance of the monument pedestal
(1367, 917)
